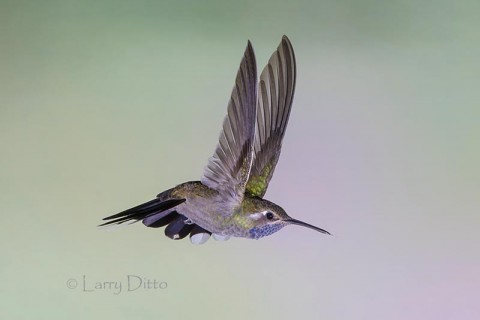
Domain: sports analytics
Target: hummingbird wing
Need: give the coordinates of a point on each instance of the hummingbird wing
(229, 167)
(275, 96)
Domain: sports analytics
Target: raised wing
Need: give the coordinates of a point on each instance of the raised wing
(228, 169)
(275, 96)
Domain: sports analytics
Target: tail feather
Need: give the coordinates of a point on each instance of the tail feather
(152, 204)
(143, 211)
(178, 229)
(161, 219)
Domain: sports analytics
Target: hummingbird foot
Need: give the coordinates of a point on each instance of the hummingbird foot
(188, 221)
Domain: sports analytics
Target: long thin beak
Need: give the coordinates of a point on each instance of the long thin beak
(304, 224)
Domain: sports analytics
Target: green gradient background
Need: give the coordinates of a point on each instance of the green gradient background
(105, 103)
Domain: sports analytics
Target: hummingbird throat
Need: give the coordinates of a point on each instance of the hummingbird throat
(265, 230)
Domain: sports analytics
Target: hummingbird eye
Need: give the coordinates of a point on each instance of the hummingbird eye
(269, 215)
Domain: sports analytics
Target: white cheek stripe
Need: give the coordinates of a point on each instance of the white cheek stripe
(258, 215)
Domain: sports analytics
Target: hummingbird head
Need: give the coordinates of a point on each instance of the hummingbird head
(269, 218)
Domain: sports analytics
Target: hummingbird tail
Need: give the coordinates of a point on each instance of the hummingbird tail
(143, 211)
(160, 212)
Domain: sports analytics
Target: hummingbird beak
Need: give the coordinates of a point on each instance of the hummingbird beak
(304, 224)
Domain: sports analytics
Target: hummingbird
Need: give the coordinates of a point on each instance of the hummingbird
(228, 200)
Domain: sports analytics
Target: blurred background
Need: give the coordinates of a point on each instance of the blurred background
(104, 104)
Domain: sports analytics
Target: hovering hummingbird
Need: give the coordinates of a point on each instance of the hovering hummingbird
(228, 201)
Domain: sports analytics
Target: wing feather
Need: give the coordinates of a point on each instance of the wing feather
(228, 169)
(275, 96)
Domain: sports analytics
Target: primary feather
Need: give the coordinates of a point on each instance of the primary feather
(229, 167)
(275, 96)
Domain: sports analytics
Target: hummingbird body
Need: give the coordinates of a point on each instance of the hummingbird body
(228, 201)
(206, 208)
